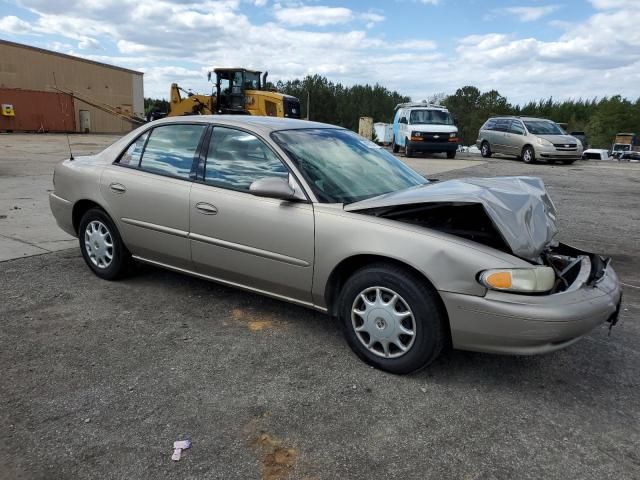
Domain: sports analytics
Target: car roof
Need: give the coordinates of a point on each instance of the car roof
(262, 124)
(518, 117)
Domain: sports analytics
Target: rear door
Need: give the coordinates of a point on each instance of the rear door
(499, 136)
(147, 192)
(261, 243)
(514, 139)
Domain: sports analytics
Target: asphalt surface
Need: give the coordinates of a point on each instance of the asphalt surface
(100, 378)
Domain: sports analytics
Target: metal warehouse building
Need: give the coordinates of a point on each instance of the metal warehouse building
(41, 90)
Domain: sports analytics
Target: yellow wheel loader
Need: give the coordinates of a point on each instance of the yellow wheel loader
(236, 91)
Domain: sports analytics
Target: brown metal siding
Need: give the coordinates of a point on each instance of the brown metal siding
(37, 111)
(32, 69)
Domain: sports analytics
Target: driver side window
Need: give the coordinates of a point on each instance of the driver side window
(236, 159)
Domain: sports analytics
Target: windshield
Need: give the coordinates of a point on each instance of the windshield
(433, 117)
(252, 80)
(342, 167)
(543, 127)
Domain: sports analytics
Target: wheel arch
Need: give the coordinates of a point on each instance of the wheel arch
(80, 208)
(349, 265)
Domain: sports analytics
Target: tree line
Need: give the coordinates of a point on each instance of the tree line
(342, 105)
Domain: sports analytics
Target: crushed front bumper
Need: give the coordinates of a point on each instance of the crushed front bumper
(509, 323)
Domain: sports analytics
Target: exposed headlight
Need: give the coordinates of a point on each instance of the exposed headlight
(416, 134)
(524, 280)
(544, 142)
(453, 135)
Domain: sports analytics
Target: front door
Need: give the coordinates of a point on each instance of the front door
(261, 243)
(147, 191)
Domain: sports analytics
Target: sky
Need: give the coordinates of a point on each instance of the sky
(525, 49)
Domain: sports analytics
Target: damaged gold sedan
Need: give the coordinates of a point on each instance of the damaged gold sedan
(315, 215)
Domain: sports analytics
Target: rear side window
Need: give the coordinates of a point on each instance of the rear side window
(236, 159)
(171, 149)
(502, 125)
(131, 157)
(490, 125)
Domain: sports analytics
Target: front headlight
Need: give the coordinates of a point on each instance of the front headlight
(453, 135)
(523, 280)
(544, 142)
(416, 134)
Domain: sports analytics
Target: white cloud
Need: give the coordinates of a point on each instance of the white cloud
(531, 14)
(15, 25)
(313, 15)
(260, 3)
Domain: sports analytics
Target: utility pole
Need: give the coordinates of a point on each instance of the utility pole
(308, 95)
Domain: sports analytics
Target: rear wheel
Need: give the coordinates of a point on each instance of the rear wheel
(392, 319)
(485, 149)
(451, 154)
(528, 155)
(101, 245)
(408, 152)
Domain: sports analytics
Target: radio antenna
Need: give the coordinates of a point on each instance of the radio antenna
(55, 83)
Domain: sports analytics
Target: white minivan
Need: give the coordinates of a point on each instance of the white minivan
(424, 127)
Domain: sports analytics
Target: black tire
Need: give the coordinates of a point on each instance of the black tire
(451, 154)
(528, 154)
(407, 151)
(429, 316)
(120, 256)
(396, 148)
(485, 149)
(568, 162)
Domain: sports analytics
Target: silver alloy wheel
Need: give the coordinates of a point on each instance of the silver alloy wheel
(485, 149)
(383, 322)
(526, 155)
(99, 244)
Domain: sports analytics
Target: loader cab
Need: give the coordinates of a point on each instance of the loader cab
(230, 87)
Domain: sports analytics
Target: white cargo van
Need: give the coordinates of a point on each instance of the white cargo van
(424, 127)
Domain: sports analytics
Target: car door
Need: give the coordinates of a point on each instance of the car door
(403, 127)
(499, 136)
(147, 192)
(514, 140)
(261, 243)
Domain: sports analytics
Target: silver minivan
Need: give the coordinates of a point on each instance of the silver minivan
(528, 138)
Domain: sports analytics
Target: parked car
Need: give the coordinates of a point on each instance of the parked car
(318, 216)
(582, 136)
(529, 139)
(423, 127)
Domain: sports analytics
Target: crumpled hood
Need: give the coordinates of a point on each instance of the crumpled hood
(519, 207)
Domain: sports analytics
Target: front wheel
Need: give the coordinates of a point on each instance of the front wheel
(485, 150)
(396, 148)
(392, 319)
(528, 155)
(451, 154)
(408, 152)
(101, 245)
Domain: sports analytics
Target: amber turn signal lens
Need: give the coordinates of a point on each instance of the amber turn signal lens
(499, 280)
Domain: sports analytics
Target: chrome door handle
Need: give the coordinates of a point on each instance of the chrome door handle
(206, 208)
(117, 188)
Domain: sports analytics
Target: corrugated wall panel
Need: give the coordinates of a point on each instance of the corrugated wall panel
(38, 111)
(26, 68)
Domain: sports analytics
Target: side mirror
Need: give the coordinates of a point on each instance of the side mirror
(403, 120)
(272, 187)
